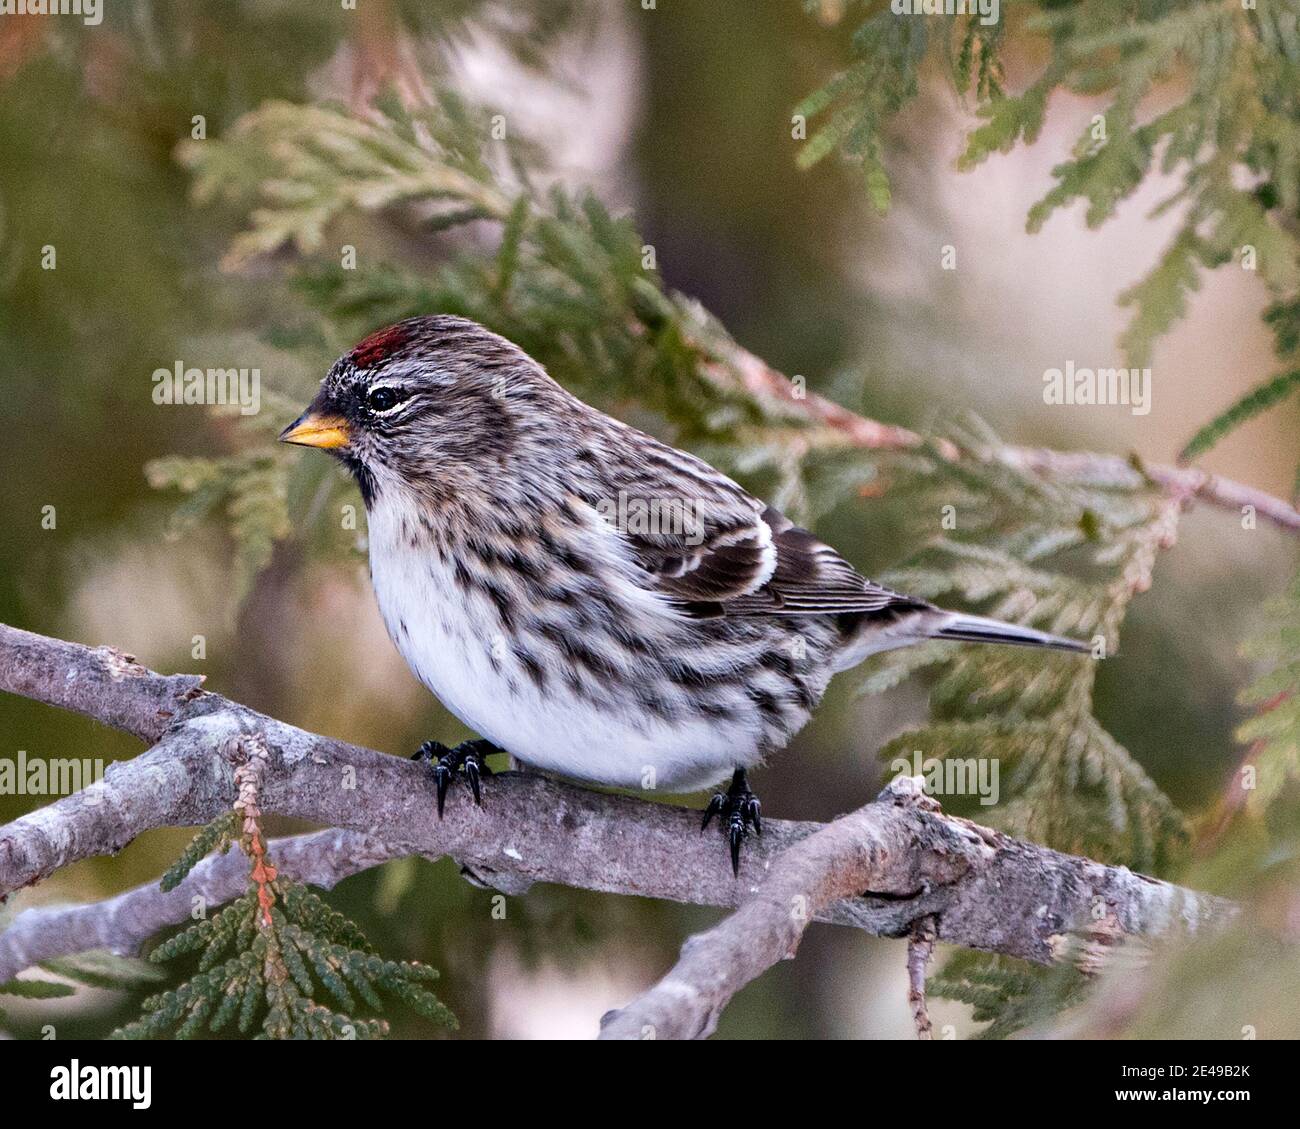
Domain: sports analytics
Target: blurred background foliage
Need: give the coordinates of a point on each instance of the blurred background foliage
(257, 184)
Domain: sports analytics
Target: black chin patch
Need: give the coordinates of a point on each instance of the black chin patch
(364, 479)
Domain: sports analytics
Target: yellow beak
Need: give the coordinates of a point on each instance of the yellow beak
(311, 430)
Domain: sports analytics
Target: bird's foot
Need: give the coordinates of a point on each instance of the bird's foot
(737, 810)
(468, 757)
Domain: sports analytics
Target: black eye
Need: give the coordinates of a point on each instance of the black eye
(381, 399)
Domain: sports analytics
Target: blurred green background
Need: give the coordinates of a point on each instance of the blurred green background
(682, 115)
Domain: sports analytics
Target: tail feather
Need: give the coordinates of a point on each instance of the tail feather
(981, 629)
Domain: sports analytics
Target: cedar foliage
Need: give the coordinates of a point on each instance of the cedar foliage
(1067, 557)
(572, 285)
(266, 959)
(1273, 733)
(93, 969)
(576, 287)
(1229, 130)
(1226, 79)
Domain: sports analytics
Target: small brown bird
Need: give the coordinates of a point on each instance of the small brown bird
(594, 602)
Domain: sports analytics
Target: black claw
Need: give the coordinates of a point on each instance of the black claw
(441, 781)
(739, 809)
(467, 756)
(480, 747)
(428, 751)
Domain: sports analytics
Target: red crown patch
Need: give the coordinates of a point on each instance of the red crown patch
(373, 349)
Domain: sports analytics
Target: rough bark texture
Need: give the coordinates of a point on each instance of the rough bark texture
(105, 683)
(881, 869)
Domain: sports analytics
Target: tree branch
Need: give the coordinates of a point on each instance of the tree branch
(123, 924)
(984, 890)
(735, 366)
(853, 854)
(106, 684)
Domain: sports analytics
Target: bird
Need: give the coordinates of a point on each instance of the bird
(596, 603)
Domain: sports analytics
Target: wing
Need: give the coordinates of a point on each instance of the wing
(696, 535)
(716, 550)
(811, 578)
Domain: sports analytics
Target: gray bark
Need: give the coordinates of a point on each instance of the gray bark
(882, 869)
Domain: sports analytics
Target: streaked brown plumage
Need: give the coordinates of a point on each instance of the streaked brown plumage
(593, 601)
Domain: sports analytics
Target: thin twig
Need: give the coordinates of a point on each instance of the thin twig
(920, 947)
(735, 366)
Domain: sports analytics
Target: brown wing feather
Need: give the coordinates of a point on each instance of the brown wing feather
(726, 564)
(811, 578)
(731, 572)
(739, 557)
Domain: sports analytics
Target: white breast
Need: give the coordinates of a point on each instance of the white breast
(453, 642)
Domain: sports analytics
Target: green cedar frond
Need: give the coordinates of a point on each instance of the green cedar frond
(94, 969)
(100, 969)
(216, 836)
(1257, 400)
(32, 990)
(1229, 128)
(299, 167)
(1274, 731)
(268, 954)
(249, 969)
(251, 488)
(1284, 319)
(856, 104)
(1160, 299)
(35, 989)
(1006, 994)
(1020, 549)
